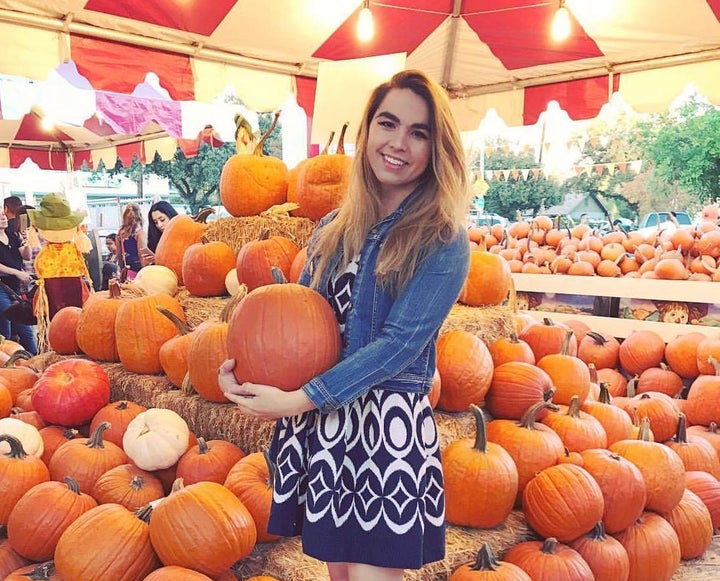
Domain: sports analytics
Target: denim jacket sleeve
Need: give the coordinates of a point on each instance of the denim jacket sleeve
(412, 322)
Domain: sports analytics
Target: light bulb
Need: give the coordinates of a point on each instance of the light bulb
(365, 25)
(47, 123)
(561, 24)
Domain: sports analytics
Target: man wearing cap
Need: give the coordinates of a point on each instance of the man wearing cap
(60, 266)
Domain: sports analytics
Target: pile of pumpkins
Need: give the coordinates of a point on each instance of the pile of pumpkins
(133, 495)
(539, 246)
(611, 449)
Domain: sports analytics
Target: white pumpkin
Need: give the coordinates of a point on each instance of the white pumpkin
(156, 438)
(156, 279)
(28, 435)
(232, 284)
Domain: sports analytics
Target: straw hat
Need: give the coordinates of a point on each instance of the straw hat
(55, 214)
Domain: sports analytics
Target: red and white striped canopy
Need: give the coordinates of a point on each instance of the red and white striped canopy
(487, 53)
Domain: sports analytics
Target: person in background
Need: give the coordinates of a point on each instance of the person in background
(366, 494)
(131, 240)
(13, 250)
(12, 207)
(584, 218)
(159, 216)
(110, 264)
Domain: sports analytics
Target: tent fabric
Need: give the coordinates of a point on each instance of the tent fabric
(486, 53)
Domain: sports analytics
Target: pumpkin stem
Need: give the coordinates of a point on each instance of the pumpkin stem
(264, 235)
(549, 546)
(598, 532)
(202, 446)
(326, 149)
(259, 147)
(593, 373)
(203, 214)
(96, 438)
(644, 431)
(278, 276)
(182, 327)
(574, 407)
(566, 342)
(605, 396)
(597, 337)
(480, 429)
(234, 301)
(529, 417)
(485, 560)
(42, 571)
(137, 482)
(18, 355)
(144, 512)
(681, 432)
(72, 484)
(271, 468)
(187, 387)
(204, 239)
(178, 484)
(631, 386)
(341, 139)
(16, 448)
(712, 361)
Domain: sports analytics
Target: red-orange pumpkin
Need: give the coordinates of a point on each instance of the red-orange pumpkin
(282, 335)
(487, 568)
(257, 258)
(204, 267)
(62, 336)
(179, 234)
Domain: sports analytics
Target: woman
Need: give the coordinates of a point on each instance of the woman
(13, 249)
(131, 240)
(158, 217)
(359, 473)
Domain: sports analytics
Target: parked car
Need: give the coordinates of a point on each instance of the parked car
(486, 219)
(663, 220)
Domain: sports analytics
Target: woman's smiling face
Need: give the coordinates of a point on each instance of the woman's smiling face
(399, 142)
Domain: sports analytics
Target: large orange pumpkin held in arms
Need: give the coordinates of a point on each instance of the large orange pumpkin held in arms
(283, 335)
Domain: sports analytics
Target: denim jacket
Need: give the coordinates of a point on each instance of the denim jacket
(389, 342)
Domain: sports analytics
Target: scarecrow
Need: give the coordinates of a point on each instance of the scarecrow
(245, 138)
(60, 266)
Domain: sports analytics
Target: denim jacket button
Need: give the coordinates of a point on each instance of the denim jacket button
(327, 407)
(349, 307)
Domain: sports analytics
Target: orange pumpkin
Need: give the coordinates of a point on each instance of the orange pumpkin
(282, 335)
(481, 480)
(219, 519)
(173, 353)
(606, 557)
(180, 233)
(252, 183)
(62, 336)
(205, 265)
(323, 181)
(466, 368)
(652, 547)
(549, 560)
(96, 324)
(141, 330)
(487, 568)
(488, 279)
(257, 258)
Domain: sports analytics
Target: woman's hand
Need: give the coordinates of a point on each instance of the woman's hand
(262, 401)
(22, 276)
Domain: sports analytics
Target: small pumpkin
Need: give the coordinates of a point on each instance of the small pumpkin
(205, 265)
(118, 414)
(62, 331)
(28, 435)
(181, 232)
(605, 556)
(257, 258)
(209, 461)
(18, 474)
(156, 438)
(129, 486)
(549, 560)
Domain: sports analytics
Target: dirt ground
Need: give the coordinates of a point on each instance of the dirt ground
(706, 568)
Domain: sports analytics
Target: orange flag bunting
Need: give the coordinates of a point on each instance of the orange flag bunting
(536, 172)
(622, 166)
(599, 168)
(515, 173)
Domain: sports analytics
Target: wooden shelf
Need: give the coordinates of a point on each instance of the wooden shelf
(621, 328)
(632, 288)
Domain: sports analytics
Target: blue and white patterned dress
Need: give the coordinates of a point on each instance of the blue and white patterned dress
(362, 484)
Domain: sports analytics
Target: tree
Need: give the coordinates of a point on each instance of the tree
(507, 197)
(684, 148)
(609, 143)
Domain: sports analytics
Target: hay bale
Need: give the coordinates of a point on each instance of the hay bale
(487, 323)
(238, 231)
(141, 389)
(200, 309)
(453, 426)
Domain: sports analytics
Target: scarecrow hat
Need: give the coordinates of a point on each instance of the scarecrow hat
(55, 214)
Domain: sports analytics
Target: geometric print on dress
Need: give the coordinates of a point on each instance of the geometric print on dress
(340, 290)
(366, 493)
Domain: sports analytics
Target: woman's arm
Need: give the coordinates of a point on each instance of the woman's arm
(141, 238)
(19, 274)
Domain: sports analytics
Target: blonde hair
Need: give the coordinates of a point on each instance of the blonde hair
(435, 214)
